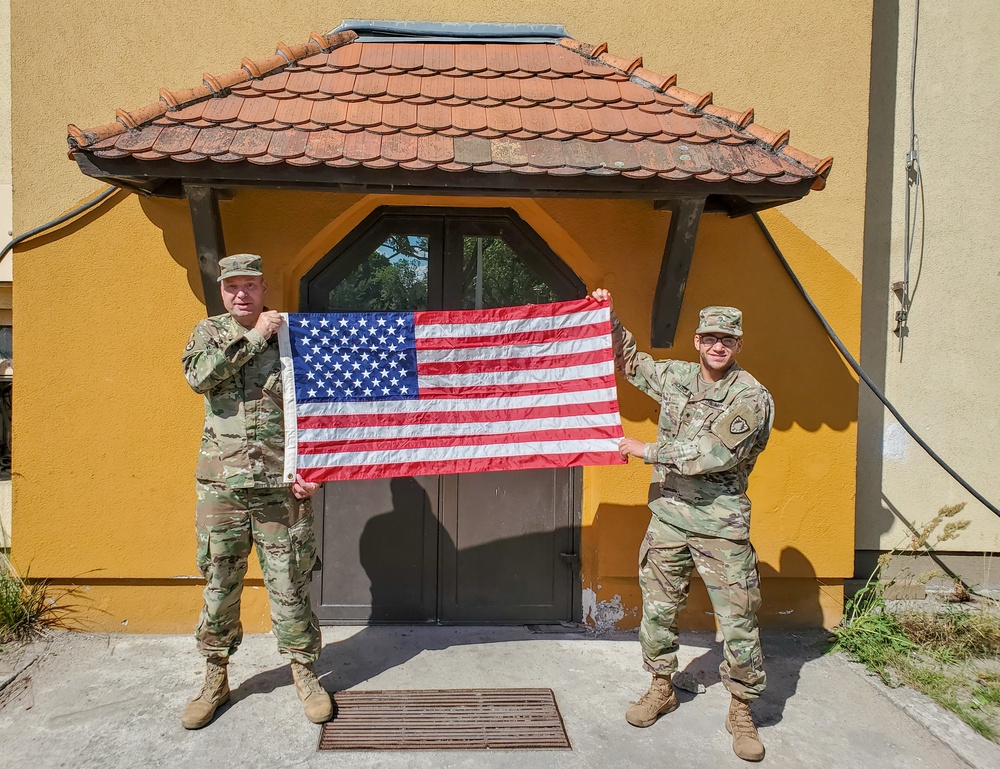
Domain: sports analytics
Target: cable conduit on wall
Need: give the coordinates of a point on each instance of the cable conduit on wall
(864, 377)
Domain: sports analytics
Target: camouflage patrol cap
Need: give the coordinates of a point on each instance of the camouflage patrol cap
(240, 264)
(720, 320)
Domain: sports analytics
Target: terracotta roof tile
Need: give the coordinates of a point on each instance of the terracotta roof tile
(293, 111)
(362, 146)
(439, 57)
(212, 141)
(328, 145)
(250, 143)
(466, 107)
(175, 141)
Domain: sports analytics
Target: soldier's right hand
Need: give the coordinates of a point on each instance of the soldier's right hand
(268, 323)
(603, 295)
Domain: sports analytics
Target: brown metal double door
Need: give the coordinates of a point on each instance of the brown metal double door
(482, 548)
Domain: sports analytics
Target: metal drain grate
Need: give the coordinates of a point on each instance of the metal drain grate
(445, 719)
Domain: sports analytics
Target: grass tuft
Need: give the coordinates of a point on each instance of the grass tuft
(25, 609)
(951, 657)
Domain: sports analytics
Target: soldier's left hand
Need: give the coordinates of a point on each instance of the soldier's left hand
(302, 489)
(631, 447)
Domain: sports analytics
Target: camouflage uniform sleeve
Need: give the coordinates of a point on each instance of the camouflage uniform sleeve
(210, 359)
(638, 367)
(741, 430)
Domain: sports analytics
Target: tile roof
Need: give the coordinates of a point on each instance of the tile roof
(563, 109)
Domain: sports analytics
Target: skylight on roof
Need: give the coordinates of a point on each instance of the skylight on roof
(451, 32)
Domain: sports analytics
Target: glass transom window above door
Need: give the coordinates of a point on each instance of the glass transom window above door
(419, 259)
(486, 548)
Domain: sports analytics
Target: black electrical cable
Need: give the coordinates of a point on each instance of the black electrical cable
(55, 222)
(864, 377)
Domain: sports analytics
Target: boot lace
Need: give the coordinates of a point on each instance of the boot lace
(741, 720)
(215, 677)
(660, 689)
(307, 680)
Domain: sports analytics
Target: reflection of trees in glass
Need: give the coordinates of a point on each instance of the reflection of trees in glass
(394, 277)
(507, 280)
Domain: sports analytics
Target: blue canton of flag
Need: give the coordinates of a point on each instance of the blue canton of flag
(362, 356)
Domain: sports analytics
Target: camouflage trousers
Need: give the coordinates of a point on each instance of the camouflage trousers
(228, 522)
(729, 570)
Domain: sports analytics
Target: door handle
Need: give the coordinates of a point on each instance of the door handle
(570, 558)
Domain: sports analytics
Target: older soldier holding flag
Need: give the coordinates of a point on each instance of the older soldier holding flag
(715, 419)
(243, 500)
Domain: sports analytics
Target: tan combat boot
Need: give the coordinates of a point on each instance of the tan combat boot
(315, 700)
(739, 723)
(658, 700)
(214, 692)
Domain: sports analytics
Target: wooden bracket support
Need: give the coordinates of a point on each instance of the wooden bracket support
(208, 242)
(677, 255)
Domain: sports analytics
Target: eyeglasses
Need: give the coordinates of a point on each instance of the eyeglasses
(709, 340)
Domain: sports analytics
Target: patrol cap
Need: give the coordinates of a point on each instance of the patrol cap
(240, 264)
(720, 320)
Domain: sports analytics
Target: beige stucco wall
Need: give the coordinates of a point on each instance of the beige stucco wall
(944, 382)
(6, 190)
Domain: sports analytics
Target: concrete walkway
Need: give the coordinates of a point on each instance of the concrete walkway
(90, 700)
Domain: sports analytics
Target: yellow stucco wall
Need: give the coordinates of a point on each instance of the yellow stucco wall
(104, 306)
(123, 504)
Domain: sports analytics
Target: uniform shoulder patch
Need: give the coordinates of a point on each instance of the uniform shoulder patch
(735, 425)
(190, 344)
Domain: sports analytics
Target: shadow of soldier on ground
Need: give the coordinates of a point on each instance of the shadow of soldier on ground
(791, 606)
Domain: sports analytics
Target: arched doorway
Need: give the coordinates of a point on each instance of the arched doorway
(485, 548)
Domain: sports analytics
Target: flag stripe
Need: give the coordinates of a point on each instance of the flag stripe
(454, 417)
(414, 407)
(533, 376)
(516, 389)
(489, 365)
(456, 428)
(502, 340)
(479, 350)
(477, 465)
(424, 330)
(435, 441)
(510, 314)
(448, 453)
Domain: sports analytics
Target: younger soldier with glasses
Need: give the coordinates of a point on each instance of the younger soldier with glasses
(715, 420)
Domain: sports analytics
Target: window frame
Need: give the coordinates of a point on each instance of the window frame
(446, 228)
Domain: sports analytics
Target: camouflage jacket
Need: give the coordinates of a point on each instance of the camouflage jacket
(707, 441)
(239, 373)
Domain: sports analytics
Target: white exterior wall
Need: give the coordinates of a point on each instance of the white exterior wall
(944, 382)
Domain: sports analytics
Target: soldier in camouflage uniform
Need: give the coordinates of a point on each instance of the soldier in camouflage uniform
(243, 500)
(715, 419)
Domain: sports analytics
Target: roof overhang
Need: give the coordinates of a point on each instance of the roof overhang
(166, 178)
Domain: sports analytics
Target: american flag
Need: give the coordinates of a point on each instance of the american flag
(388, 394)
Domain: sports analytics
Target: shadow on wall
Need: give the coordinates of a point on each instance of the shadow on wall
(785, 348)
(173, 219)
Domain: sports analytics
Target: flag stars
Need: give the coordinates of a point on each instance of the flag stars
(354, 356)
